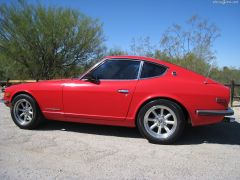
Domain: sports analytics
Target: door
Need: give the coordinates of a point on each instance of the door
(108, 99)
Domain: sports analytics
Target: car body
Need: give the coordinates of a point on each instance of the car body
(115, 90)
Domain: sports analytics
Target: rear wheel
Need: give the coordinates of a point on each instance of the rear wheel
(25, 112)
(161, 121)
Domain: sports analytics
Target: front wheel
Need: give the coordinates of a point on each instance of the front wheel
(25, 112)
(161, 121)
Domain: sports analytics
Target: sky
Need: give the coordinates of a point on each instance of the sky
(124, 20)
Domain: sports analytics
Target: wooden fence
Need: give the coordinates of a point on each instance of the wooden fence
(235, 88)
(235, 91)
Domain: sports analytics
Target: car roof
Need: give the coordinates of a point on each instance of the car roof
(141, 58)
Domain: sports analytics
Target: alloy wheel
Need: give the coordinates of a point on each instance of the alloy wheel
(160, 121)
(23, 112)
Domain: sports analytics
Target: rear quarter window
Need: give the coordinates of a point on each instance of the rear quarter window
(152, 70)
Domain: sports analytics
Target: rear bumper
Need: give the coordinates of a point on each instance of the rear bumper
(227, 112)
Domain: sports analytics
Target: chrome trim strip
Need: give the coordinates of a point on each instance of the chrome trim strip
(227, 112)
(53, 109)
(140, 70)
(92, 68)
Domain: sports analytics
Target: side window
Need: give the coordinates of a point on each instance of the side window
(117, 69)
(152, 70)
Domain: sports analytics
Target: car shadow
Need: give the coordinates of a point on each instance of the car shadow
(222, 133)
(91, 129)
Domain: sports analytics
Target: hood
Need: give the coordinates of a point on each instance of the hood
(33, 85)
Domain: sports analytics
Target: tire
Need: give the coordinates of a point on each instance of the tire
(25, 112)
(161, 121)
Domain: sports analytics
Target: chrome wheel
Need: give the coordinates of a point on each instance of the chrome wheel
(160, 121)
(23, 112)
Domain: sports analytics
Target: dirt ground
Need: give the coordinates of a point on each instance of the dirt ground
(60, 150)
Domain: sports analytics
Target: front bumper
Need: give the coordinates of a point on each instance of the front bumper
(7, 103)
(227, 112)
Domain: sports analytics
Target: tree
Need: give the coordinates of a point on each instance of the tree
(142, 47)
(48, 42)
(196, 37)
(116, 52)
(11, 69)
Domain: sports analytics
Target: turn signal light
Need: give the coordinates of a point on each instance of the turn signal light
(7, 94)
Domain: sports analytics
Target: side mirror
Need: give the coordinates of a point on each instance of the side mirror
(92, 79)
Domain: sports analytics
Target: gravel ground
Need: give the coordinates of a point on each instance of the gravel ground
(60, 150)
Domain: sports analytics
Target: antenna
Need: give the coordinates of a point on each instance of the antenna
(209, 70)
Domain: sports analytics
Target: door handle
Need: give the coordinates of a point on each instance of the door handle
(123, 91)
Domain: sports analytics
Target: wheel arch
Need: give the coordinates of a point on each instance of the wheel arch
(185, 111)
(22, 92)
(26, 93)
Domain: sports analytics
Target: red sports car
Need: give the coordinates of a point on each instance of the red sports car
(157, 97)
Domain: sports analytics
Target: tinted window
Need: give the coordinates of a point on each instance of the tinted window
(117, 69)
(152, 70)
